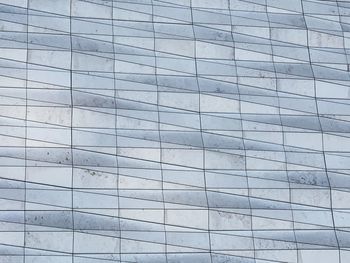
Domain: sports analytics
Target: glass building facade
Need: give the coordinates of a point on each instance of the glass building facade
(174, 131)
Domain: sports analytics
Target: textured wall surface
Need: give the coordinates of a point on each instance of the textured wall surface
(153, 131)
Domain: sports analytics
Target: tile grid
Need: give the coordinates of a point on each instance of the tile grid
(209, 132)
